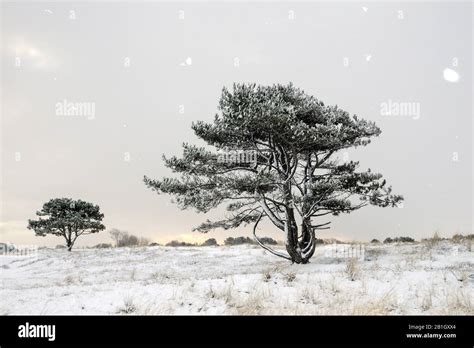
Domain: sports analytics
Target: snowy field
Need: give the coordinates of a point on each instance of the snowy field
(380, 279)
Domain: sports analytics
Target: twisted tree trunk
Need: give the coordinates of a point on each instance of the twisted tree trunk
(291, 231)
(299, 251)
(308, 241)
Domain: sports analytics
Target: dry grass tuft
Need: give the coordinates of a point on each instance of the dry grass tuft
(290, 277)
(352, 269)
(252, 305)
(128, 307)
(266, 275)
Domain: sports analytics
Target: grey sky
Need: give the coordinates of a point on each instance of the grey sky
(137, 108)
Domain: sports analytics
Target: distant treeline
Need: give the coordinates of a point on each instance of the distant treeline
(394, 240)
(125, 239)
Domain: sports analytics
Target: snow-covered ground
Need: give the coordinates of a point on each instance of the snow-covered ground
(380, 279)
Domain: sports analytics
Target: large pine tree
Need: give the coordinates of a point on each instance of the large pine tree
(295, 179)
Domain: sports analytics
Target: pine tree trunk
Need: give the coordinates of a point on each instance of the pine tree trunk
(300, 251)
(308, 241)
(68, 236)
(292, 246)
(291, 228)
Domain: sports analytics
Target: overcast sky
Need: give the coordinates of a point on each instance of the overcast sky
(142, 65)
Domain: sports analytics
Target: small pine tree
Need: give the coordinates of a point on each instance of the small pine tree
(67, 218)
